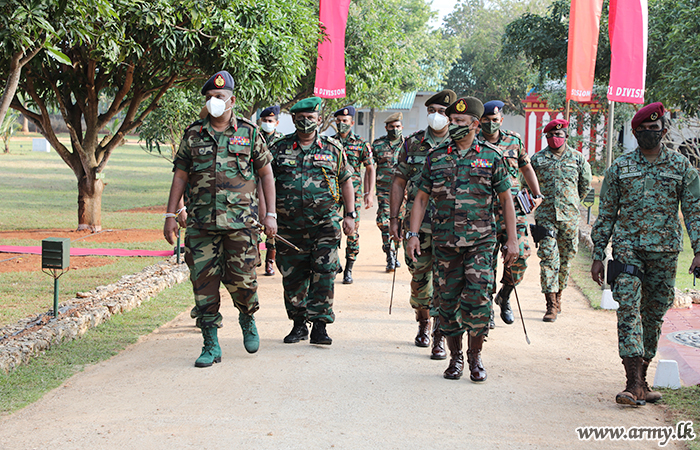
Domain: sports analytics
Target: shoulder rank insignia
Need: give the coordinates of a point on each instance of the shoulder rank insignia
(482, 163)
(239, 140)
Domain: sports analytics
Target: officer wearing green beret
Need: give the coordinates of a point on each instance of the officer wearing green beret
(219, 162)
(405, 184)
(639, 202)
(312, 176)
(359, 154)
(464, 176)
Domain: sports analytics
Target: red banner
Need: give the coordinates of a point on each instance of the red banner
(628, 44)
(584, 25)
(330, 66)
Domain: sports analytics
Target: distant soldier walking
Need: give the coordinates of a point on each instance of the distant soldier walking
(312, 176)
(269, 121)
(359, 154)
(639, 203)
(565, 178)
(386, 151)
(215, 168)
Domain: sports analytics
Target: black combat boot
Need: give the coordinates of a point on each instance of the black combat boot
(319, 335)
(347, 275)
(390, 260)
(299, 332)
(503, 300)
(455, 369)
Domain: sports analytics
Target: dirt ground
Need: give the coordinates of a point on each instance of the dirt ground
(17, 262)
(371, 389)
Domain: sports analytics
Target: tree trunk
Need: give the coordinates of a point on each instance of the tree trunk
(372, 121)
(25, 124)
(90, 204)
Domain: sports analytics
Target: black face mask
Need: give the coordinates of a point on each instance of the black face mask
(648, 139)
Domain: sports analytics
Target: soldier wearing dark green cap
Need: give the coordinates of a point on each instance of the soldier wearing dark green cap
(269, 120)
(312, 177)
(359, 154)
(405, 183)
(386, 150)
(517, 162)
(639, 203)
(464, 176)
(219, 162)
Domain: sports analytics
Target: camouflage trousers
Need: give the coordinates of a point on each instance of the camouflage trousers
(307, 277)
(519, 265)
(422, 274)
(352, 248)
(464, 277)
(383, 218)
(643, 304)
(557, 254)
(227, 257)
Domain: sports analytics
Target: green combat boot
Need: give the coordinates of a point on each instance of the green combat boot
(251, 341)
(211, 352)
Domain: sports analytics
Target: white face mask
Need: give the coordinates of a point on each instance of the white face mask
(268, 127)
(216, 107)
(437, 121)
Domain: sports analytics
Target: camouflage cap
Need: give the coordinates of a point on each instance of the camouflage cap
(466, 105)
(650, 113)
(556, 124)
(444, 98)
(394, 117)
(220, 80)
(311, 104)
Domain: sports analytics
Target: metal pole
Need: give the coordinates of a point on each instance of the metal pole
(611, 119)
(55, 295)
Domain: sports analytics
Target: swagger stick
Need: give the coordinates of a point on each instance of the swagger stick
(510, 275)
(260, 226)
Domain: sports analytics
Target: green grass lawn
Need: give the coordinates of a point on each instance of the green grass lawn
(40, 191)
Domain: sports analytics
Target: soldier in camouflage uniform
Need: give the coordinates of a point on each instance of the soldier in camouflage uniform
(311, 176)
(565, 178)
(358, 153)
(216, 168)
(463, 176)
(517, 160)
(639, 203)
(406, 176)
(269, 121)
(386, 151)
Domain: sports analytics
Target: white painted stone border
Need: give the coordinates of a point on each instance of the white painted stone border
(31, 336)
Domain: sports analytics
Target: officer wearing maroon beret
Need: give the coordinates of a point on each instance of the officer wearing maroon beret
(639, 202)
(564, 176)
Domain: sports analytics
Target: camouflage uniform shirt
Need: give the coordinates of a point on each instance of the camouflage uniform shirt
(308, 181)
(220, 192)
(386, 157)
(411, 158)
(464, 184)
(358, 153)
(639, 204)
(270, 138)
(563, 182)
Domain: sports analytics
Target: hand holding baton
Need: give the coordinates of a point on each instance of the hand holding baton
(254, 223)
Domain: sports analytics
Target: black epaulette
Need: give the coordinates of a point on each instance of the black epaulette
(196, 123)
(495, 147)
(415, 133)
(380, 138)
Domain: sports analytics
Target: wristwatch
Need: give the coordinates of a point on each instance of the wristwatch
(410, 234)
(538, 196)
(352, 214)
